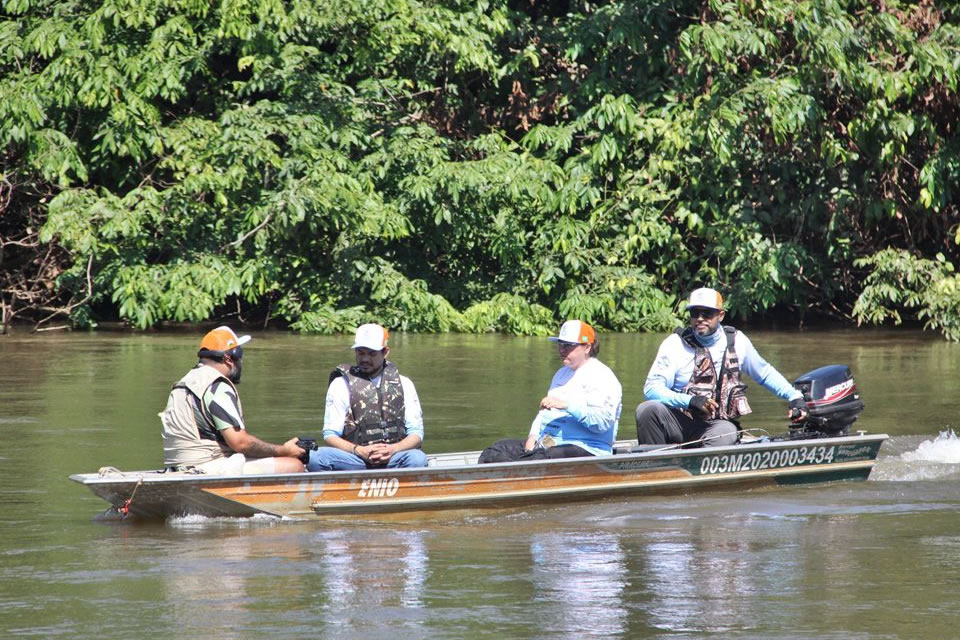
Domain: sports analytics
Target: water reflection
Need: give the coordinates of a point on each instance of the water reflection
(203, 574)
(372, 569)
(579, 581)
(693, 582)
(223, 579)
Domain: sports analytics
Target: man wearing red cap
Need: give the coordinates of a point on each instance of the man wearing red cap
(373, 416)
(694, 391)
(203, 428)
(579, 414)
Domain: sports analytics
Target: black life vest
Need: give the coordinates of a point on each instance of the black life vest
(730, 393)
(376, 412)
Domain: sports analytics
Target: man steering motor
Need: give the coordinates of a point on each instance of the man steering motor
(694, 390)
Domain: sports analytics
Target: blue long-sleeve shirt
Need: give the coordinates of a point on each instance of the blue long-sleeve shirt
(673, 367)
(593, 397)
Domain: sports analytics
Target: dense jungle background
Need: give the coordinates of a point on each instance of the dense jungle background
(477, 166)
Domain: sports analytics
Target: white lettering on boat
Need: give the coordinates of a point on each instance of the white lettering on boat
(858, 453)
(379, 488)
(758, 460)
(837, 388)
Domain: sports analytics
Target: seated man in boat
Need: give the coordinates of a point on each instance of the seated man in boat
(694, 392)
(579, 414)
(372, 416)
(203, 426)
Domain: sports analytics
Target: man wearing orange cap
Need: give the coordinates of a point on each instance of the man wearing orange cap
(372, 416)
(579, 414)
(203, 428)
(694, 392)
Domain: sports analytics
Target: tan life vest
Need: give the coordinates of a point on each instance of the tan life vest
(189, 437)
(376, 412)
(730, 394)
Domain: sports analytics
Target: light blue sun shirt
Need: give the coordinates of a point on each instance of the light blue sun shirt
(673, 367)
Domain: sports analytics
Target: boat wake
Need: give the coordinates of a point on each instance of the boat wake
(203, 522)
(944, 448)
(931, 460)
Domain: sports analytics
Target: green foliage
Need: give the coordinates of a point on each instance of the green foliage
(329, 321)
(405, 304)
(899, 281)
(510, 314)
(767, 271)
(187, 291)
(624, 298)
(477, 166)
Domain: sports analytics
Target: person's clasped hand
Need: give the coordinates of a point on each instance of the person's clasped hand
(380, 453)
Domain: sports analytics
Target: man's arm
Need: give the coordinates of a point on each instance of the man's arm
(663, 373)
(336, 406)
(762, 371)
(241, 441)
(412, 413)
(223, 407)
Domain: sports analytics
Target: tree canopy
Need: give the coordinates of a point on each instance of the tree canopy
(479, 165)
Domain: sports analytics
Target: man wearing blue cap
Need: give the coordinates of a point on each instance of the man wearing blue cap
(694, 392)
(373, 416)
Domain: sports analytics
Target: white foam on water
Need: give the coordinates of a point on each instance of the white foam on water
(195, 521)
(944, 449)
(932, 460)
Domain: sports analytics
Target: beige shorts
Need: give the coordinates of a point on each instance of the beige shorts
(238, 465)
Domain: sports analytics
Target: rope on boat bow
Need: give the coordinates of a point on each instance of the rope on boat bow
(124, 509)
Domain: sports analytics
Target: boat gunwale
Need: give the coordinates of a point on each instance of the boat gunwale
(155, 476)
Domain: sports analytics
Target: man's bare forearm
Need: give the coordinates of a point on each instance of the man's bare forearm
(257, 448)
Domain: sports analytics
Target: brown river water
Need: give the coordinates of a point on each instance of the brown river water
(875, 559)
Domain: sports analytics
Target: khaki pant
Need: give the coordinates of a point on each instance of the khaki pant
(238, 465)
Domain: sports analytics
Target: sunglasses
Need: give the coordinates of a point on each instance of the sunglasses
(703, 313)
(567, 346)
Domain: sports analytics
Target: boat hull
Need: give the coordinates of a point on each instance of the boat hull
(455, 483)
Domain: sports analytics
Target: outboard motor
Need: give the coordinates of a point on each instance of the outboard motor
(833, 403)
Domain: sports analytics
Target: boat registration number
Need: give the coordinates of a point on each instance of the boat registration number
(733, 462)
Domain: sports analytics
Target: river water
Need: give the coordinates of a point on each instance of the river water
(875, 559)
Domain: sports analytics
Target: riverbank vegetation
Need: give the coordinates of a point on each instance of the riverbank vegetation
(477, 166)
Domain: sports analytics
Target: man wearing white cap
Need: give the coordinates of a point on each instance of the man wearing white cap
(694, 391)
(203, 428)
(372, 416)
(579, 414)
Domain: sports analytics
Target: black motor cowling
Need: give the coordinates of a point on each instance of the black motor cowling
(833, 403)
